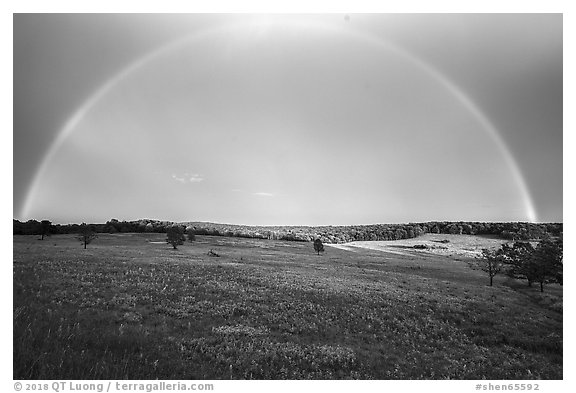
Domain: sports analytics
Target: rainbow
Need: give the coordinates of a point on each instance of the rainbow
(260, 27)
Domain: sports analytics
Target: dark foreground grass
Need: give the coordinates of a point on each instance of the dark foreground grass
(127, 308)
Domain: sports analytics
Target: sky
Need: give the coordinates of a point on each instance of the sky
(255, 119)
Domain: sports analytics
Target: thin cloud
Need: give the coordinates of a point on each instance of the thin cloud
(264, 194)
(188, 178)
(195, 178)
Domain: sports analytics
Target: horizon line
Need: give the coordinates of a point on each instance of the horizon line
(303, 225)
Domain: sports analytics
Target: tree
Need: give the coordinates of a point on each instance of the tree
(492, 262)
(454, 229)
(541, 264)
(45, 228)
(318, 246)
(112, 226)
(519, 260)
(400, 233)
(191, 236)
(86, 234)
(547, 262)
(467, 229)
(175, 236)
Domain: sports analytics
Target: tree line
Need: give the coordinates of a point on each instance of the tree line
(515, 231)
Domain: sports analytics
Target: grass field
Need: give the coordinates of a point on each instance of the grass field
(131, 307)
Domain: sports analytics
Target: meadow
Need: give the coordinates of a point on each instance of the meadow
(131, 307)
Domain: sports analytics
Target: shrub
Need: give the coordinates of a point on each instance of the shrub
(175, 236)
(318, 246)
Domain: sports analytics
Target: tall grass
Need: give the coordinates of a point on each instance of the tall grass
(130, 309)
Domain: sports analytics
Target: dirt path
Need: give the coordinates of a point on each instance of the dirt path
(442, 244)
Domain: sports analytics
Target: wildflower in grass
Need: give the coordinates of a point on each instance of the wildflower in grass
(240, 330)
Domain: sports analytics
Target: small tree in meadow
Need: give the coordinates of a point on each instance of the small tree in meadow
(86, 234)
(318, 246)
(45, 228)
(191, 236)
(175, 236)
(492, 262)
